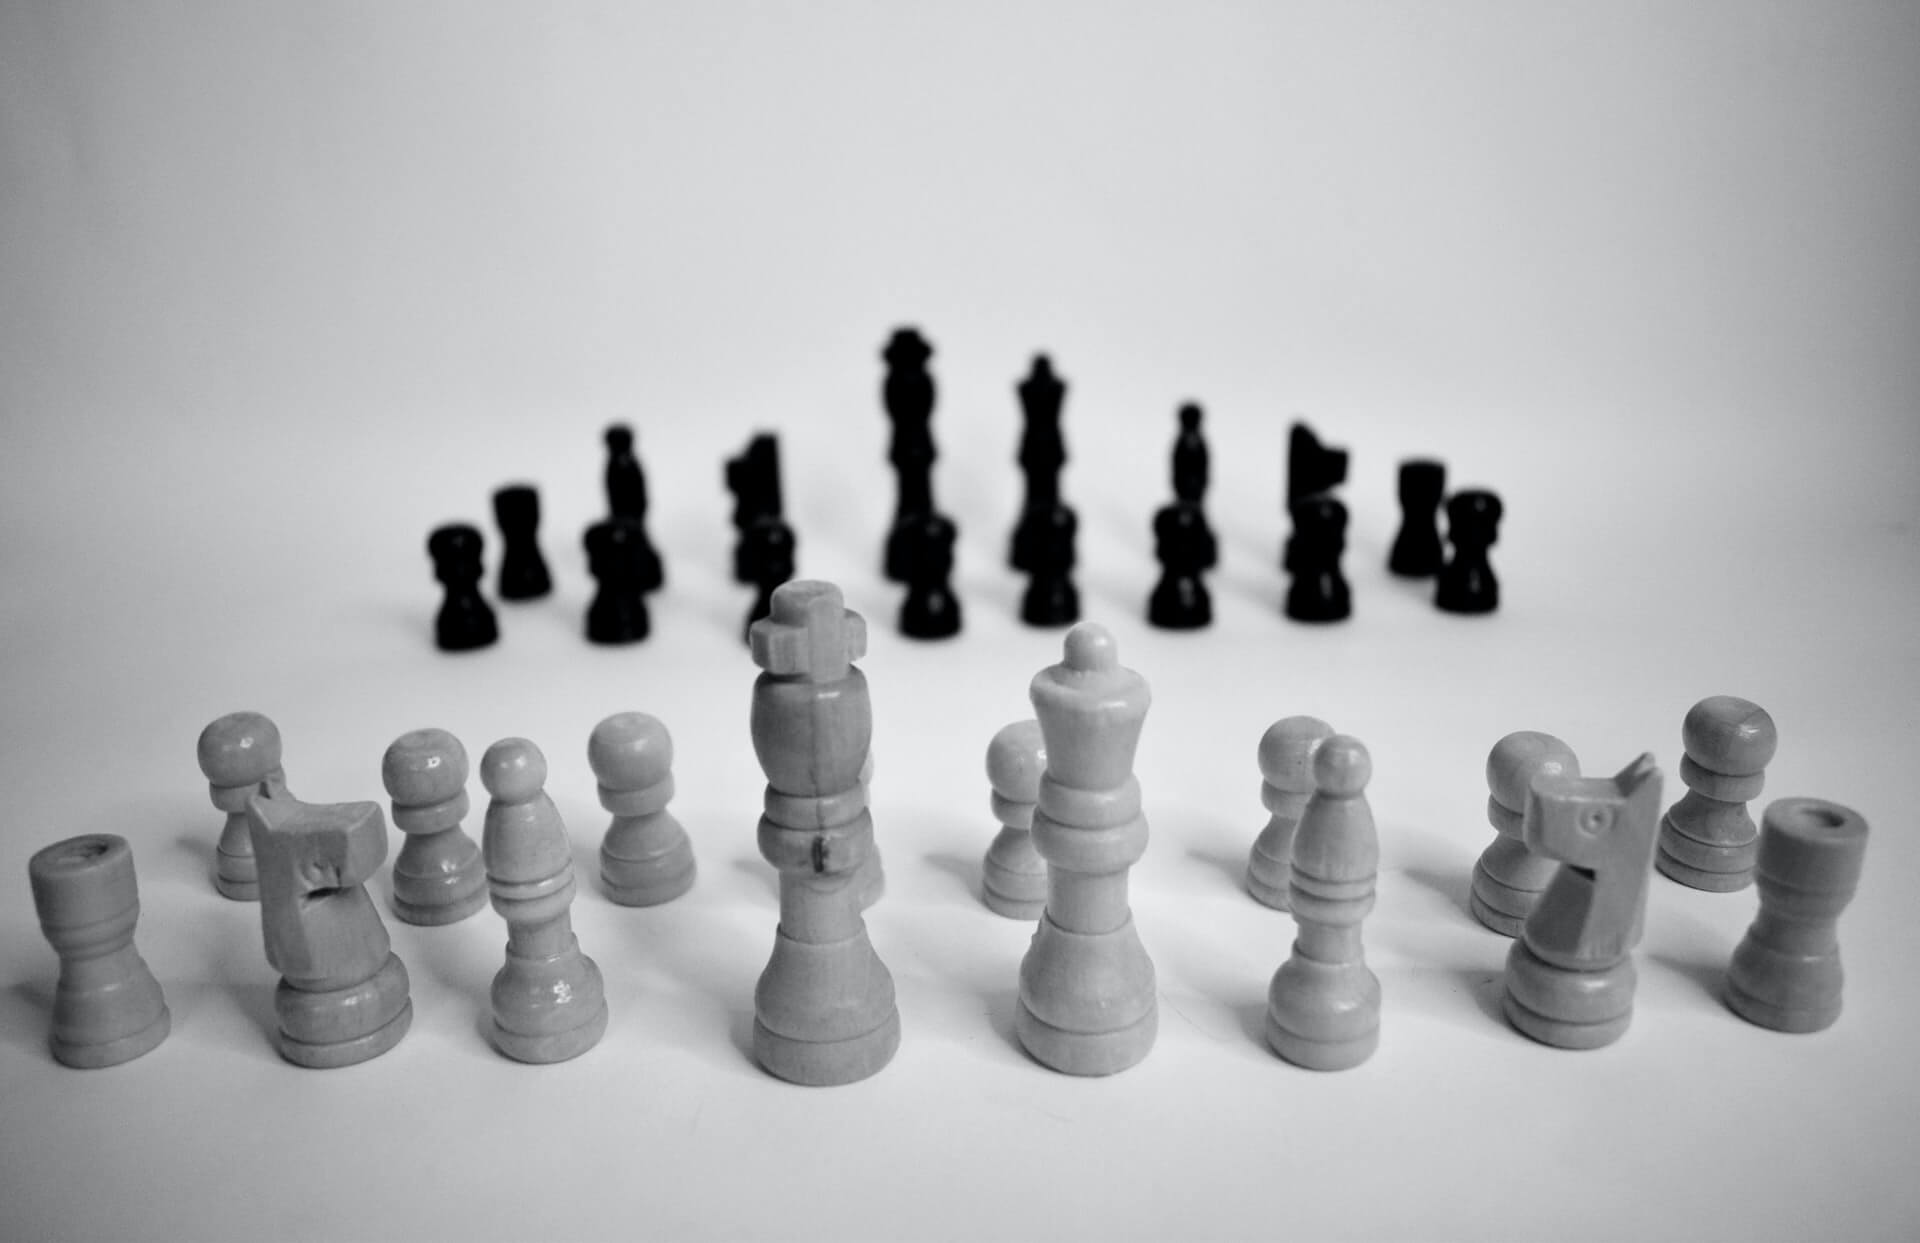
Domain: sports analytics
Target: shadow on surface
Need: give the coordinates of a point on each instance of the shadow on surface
(964, 871)
(1453, 886)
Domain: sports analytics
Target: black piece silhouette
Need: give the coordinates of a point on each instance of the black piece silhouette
(1311, 466)
(618, 613)
(465, 620)
(523, 571)
(1051, 599)
(767, 553)
(909, 396)
(1416, 550)
(1466, 583)
(1180, 541)
(931, 610)
(1043, 451)
(1319, 592)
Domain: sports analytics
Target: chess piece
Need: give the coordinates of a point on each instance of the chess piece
(1181, 544)
(1190, 473)
(823, 1010)
(870, 878)
(523, 571)
(1319, 591)
(1466, 583)
(1013, 875)
(645, 857)
(1051, 599)
(1087, 1002)
(1043, 451)
(909, 396)
(618, 612)
(931, 610)
(240, 755)
(1286, 782)
(754, 479)
(343, 995)
(1570, 976)
(465, 620)
(1785, 974)
(627, 499)
(549, 1003)
(1416, 549)
(1708, 839)
(766, 556)
(1323, 1006)
(1311, 466)
(1509, 878)
(107, 1007)
(438, 877)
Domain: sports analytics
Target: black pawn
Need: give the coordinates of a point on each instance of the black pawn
(766, 559)
(627, 499)
(1466, 583)
(1180, 600)
(1190, 474)
(1043, 452)
(754, 479)
(908, 393)
(1311, 466)
(1051, 599)
(618, 613)
(931, 610)
(523, 571)
(1416, 550)
(465, 620)
(1319, 592)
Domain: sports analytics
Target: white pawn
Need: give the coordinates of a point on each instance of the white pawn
(549, 1003)
(1323, 1007)
(1286, 782)
(1013, 877)
(645, 857)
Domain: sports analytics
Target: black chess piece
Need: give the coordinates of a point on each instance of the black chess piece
(1466, 583)
(754, 479)
(1416, 550)
(465, 620)
(931, 610)
(1319, 592)
(1190, 474)
(1051, 599)
(766, 558)
(618, 613)
(1311, 466)
(627, 499)
(909, 396)
(1180, 538)
(1043, 451)
(523, 571)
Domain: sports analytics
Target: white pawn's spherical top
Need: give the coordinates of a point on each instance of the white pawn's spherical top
(424, 766)
(630, 751)
(1016, 758)
(1090, 648)
(1726, 734)
(241, 748)
(1342, 767)
(513, 770)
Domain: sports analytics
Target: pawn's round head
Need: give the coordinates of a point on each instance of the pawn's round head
(513, 770)
(1730, 735)
(619, 438)
(630, 751)
(1342, 767)
(1190, 417)
(423, 767)
(1016, 758)
(1089, 648)
(1520, 757)
(455, 547)
(239, 749)
(1287, 749)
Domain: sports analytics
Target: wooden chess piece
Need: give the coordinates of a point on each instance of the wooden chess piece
(1570, 976)
(1416, 549)
(1051, 599)
(1013, 877)
(240, 755)
(931, 610)
(1182, 546)
(645, 857)
(1785, 974)
(107, 1007)
(1191, 470)
(766, 558)
(824, 1009)
(754, 479)
(1319, 591)
(438, 877)
(465, 620)
(343, 994)
(1509, 878)
(627, 501)
(1708, 839)
(1466, 583)
(908, 394)
(549, 1003)
(523, 571)
(1323, 1005)
(1087, 1004)
(618, 610)
(1043, 451)
(1311, 466)
(1286, 783)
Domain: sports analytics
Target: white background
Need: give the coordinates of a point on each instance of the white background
(284, 286)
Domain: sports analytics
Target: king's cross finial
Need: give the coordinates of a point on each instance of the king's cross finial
(810, 633)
